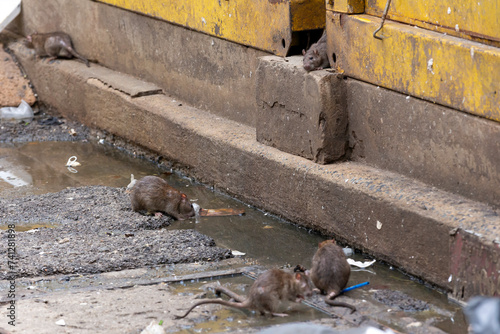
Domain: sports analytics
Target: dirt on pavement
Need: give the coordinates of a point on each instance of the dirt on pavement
(92, 230)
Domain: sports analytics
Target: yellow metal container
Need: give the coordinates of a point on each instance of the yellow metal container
(477, 20)
(346, 6)
(263, 24)
(451, 71)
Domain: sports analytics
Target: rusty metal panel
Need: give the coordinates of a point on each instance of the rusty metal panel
(346, 6)
(443, 69)
(263, 24)
(477, 20)
(307, 14)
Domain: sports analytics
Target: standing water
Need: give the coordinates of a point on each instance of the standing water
(40, 167)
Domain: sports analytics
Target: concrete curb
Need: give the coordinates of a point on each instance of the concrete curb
(427, 232)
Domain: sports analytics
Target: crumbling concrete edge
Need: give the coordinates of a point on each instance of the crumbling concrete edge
(397, 219)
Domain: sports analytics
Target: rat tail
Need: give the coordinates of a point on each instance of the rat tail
(341, 304)
(220, 289)
(77, 55)
(213, 301)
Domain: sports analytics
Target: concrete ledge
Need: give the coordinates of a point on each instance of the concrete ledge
(189, 65)
(443, 147)
(425, 231)
(301, 113)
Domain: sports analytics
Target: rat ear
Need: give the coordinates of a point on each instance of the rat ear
(303, 52)
(183, 196)
(298, 276)
(316, 52)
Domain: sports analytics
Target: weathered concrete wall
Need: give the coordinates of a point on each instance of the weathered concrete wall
(208, 72)
(445, 148)
(442, 147)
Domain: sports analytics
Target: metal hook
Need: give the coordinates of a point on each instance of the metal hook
(386, 10)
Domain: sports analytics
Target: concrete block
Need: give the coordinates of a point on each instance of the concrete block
(443, 147)
(301, 113)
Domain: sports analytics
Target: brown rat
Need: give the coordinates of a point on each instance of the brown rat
(330, 272)
(266, 293)
(53, 45)
(153, 194)
(316, 58)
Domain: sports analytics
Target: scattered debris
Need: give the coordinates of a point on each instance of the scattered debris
(222, 212)
(132, 182)
(400, 300)
(237, 253)
(482, 313)
(72, 162)
(354, 287)
(153, 328)
(21, 113)
(348, 251)
(104, 234)
(360, 264)
(61, 322)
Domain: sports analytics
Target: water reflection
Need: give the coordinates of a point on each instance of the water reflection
(37, 168)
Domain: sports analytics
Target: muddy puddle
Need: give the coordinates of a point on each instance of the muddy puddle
(226, 319)
(39, 167)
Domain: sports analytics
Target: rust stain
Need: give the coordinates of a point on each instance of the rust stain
(473, 267)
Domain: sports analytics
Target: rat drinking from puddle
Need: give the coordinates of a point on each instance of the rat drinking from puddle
(266, 294)
(152, 194)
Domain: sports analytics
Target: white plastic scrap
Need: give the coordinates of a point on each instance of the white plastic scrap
(360, 264)
(8, 12)
(72, 162)
(196, 208)
(132, 182)
(61, 322)
(23, 112)
(415, 324)
(153, 328)
(348, 251)
(237, 253)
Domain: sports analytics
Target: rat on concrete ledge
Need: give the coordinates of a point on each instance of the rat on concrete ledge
(53, 45)
(316, 57)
